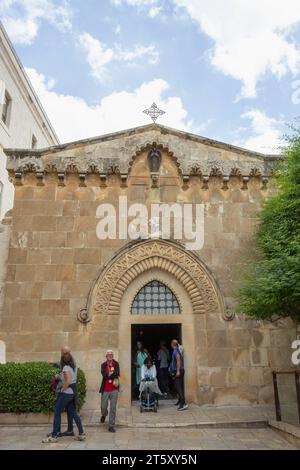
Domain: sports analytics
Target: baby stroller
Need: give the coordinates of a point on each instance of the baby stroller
(149, 401)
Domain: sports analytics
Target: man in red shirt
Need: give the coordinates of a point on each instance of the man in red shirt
(110, 371)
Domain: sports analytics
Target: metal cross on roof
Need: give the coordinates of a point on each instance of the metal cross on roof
(154, 112)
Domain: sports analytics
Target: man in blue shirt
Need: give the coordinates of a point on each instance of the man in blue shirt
(177, 371)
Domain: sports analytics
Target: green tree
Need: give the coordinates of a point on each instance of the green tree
(271, 288)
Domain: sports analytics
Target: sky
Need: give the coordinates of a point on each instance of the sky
(228, 70)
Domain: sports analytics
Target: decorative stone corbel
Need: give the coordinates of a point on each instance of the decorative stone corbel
(205, 182)
(186, 179)
(18, 178)
(103, 180)
(265, 182)
(245, 182)
(40, 178)
(225, 183)
(82, 177)
(123, 177)
(83, 316)
(61, 178)
(228, 315)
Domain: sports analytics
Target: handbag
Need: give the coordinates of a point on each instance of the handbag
(116, 383)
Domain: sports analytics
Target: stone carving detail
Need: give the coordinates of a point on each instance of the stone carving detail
(235, 172)
(154, 159)
(111, 285)
(202, 162)
(50, 168)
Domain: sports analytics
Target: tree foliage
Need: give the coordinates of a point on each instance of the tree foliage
(271, 288)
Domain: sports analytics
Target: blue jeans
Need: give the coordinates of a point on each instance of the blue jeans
(65, 400)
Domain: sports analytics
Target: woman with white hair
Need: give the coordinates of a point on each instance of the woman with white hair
(110, 371)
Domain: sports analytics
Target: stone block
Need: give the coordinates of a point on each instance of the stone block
(17, 256)
(31, 323)
(87, 272)
(22, 223)
(74, 290)
(70, 208)
(88, 256)
(24, 307)
(219, 357)
(86, 223)
(52, 290)
(20, 343)
(51, 307)
(25, 273)
(62, 256)
(37, 256)
(256, 376)
(238, 376)
(45, 193)
(217, 339)
(239, 338)
(259, 357)
(43, 223)
(65, 224)
(50, 342)
(76, 239)
(66, 272)
(52, 239)
(46, 273)
(218, 378)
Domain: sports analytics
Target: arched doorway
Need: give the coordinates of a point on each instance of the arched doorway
(134, 267)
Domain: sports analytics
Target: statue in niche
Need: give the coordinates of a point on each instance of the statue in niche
(154, 160)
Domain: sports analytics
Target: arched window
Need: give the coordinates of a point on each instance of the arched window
(155, 299)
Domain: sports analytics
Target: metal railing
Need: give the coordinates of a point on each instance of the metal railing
(296, 374)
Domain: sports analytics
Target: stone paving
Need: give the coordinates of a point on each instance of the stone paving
(202, 427)
(168, 416)
(98, 438)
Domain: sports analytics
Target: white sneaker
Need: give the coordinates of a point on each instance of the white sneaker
(49, 439)
(184, 407)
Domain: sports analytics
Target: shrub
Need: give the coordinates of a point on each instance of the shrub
(25, 388)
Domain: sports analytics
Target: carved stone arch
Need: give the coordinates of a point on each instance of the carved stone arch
(138, 257)
(162, 148)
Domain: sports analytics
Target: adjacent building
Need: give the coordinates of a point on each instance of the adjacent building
(23, 124)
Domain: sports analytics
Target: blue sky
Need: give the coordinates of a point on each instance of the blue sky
(226, 70)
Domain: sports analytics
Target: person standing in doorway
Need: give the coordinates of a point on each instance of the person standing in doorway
(163, 357)
(177, 371)
(139, 358)
(110, 371)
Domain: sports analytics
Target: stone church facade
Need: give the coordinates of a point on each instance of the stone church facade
(66, 286)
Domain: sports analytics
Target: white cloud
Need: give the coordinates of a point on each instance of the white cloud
(264, 133)
(22, 18)
(153, 7)
(99, 55)
(251, 38)
(73, 118)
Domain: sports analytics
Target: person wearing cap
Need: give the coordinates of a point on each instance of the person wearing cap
(110, 371)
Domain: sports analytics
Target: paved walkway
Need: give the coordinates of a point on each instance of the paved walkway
(13, 438)
(168, 416)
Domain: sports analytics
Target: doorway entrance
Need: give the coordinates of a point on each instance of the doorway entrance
(151, 335)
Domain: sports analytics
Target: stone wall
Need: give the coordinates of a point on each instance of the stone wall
(55, 259)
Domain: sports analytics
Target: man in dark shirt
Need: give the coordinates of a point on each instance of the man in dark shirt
(177, 371)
